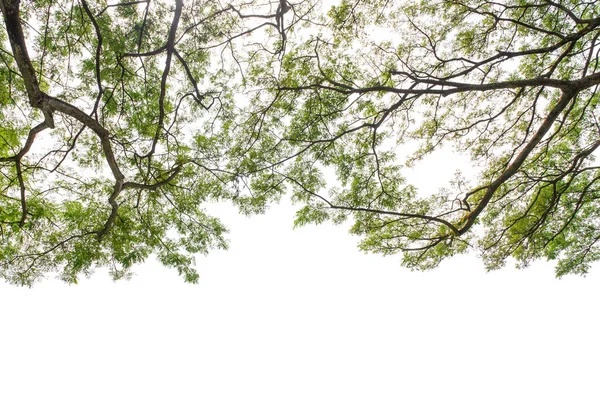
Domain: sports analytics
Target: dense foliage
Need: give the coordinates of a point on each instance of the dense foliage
(119, 120)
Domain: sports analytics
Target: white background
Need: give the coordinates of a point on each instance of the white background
(302, 315)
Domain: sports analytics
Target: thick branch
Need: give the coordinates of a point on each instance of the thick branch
(10, 11)
(562, 104)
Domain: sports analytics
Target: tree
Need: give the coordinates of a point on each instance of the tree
(513, 84)
(120, 119)
(110, 125)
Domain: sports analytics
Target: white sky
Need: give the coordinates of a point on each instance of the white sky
(302, 315)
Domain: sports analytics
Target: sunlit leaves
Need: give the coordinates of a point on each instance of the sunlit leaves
(156, 112)
(159, 89)
(378, 77)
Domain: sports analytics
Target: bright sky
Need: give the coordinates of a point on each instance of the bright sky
(288, 315)
(302, 315)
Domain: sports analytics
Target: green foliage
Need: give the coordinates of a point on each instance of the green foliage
(128, 117)
(377, 79)
(84, 197)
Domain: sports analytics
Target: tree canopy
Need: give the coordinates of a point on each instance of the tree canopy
(119, 120)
